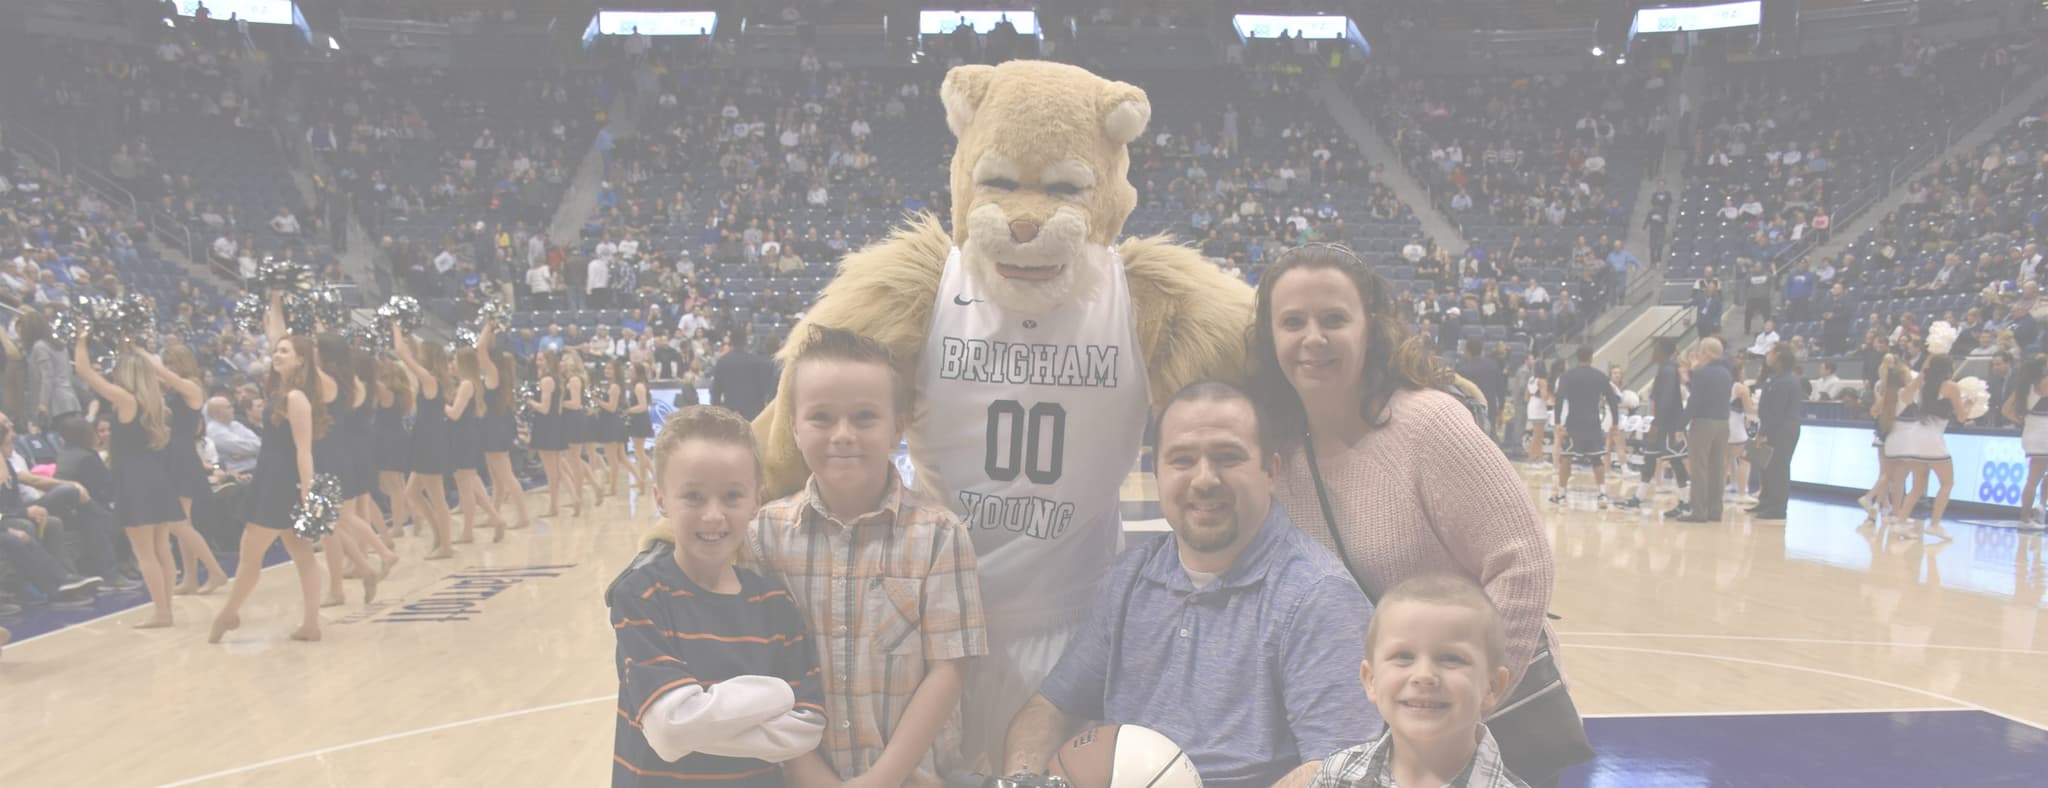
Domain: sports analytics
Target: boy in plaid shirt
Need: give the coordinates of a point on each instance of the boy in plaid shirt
(886, 580)
(1434, 665)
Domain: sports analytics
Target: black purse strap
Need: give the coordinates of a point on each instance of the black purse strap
(1315, 473)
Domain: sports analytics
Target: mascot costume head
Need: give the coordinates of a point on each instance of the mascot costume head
(1034, 281)
(1029, 208)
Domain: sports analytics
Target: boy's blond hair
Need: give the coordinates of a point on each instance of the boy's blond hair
(837, 344)
(1451, 591)
(702, 422)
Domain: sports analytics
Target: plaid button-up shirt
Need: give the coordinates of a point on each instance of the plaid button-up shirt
(886, 594)
(1370, 765)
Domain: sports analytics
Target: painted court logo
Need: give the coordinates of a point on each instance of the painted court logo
(2002, 482)
(457, 597)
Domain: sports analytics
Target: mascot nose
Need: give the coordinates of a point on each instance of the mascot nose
(1023, 232)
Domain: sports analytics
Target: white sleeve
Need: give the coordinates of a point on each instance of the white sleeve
(776, 740)
(688, 719)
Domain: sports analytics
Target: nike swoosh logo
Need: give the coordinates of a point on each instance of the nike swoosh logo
(962, 300)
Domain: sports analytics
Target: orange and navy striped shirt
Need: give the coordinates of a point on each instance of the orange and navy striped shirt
(673, 634)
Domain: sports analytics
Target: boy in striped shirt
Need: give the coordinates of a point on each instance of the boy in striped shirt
(718, 686)
(886, 580)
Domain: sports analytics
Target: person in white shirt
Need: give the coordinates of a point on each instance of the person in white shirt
(224, 249)
(860, 128)
(1766, 340)
(599, 283)
(233, 441)
(1829, 385)
(284, 223)
(1536, 294)
(541, 283)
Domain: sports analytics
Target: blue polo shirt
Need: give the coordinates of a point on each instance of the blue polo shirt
(1252, 676)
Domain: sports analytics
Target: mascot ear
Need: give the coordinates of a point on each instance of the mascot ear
(962, 93)
(1125, 111)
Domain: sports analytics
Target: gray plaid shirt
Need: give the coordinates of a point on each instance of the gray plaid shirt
(1370, 766)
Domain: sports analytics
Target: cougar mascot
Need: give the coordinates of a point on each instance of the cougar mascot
(1038, 345)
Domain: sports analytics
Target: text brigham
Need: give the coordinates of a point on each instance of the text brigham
(983, 361)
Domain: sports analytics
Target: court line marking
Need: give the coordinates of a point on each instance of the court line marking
(384, 738)
(1825, 672)
(1630, 715)
(1815, 641)
(109, 615)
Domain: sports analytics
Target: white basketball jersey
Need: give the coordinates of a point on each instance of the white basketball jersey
(1026, 428)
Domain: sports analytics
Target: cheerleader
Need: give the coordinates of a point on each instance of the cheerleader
(577, 424)
(431, 457)
(365, 455)
(284, 474)
(465, 410)
(1917, 441)
(639, 426)
(1617, 438)
(335, 454)
(1741, 411)
(394, 440)
(546, 436)
(145, 493)
(2028, 405)
(1884, 494)
(501, 431)
(178, 371)
(612, 429)
(1538, 411)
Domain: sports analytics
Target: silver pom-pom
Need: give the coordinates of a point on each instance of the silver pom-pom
(315, 516)
(465, 338)
(330, 306)
(301, 317)
(65, 324)
(529, 392)
(494, 310)
(370, 337)
(275, 274)
(133, 317)
(248, 313)
(405, 310)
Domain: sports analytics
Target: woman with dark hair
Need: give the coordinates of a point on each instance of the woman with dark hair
(501, 432)
(291, 423)
(364, 456)
(179, 373)
(334, 454)
(432, 457)
(394, 439)
(611, 420)
(2028, 405)
(466, 410)
(1779, 412)
(1379, 463)
(546, 437)
(640, 426)
(1917, 443)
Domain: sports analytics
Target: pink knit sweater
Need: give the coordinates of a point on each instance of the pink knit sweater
(1428, 492)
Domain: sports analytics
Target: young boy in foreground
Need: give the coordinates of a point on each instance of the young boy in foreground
(886, 580)
(1435, 665)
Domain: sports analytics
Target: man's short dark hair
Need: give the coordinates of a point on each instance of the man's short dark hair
(1586, 354)
(1215, 391)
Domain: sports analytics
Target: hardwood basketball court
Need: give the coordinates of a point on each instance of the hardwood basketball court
(1811, 652)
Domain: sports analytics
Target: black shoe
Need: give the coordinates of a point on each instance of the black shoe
(1557, 499)
(1678, 512)
(78, 585)
(1630, 503)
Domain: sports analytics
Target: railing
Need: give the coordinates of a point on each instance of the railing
(16, 134)
(106, 187)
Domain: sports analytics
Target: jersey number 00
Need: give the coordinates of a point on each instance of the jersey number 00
(1037, 439)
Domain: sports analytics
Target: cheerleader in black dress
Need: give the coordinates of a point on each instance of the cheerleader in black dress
(178, 371)
(576, 427)
(334, 454)
(501, 433)
(466, 410)
(612, 435)
(640, 426)
(394, 438)
(364, 455)
(145, 495)
(284, 472)
(432, 456)
(546, 438)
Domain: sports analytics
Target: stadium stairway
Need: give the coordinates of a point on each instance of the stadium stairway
(1852, 229)
(1380, 154)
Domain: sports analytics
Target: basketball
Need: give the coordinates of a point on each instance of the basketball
(1123, 756)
